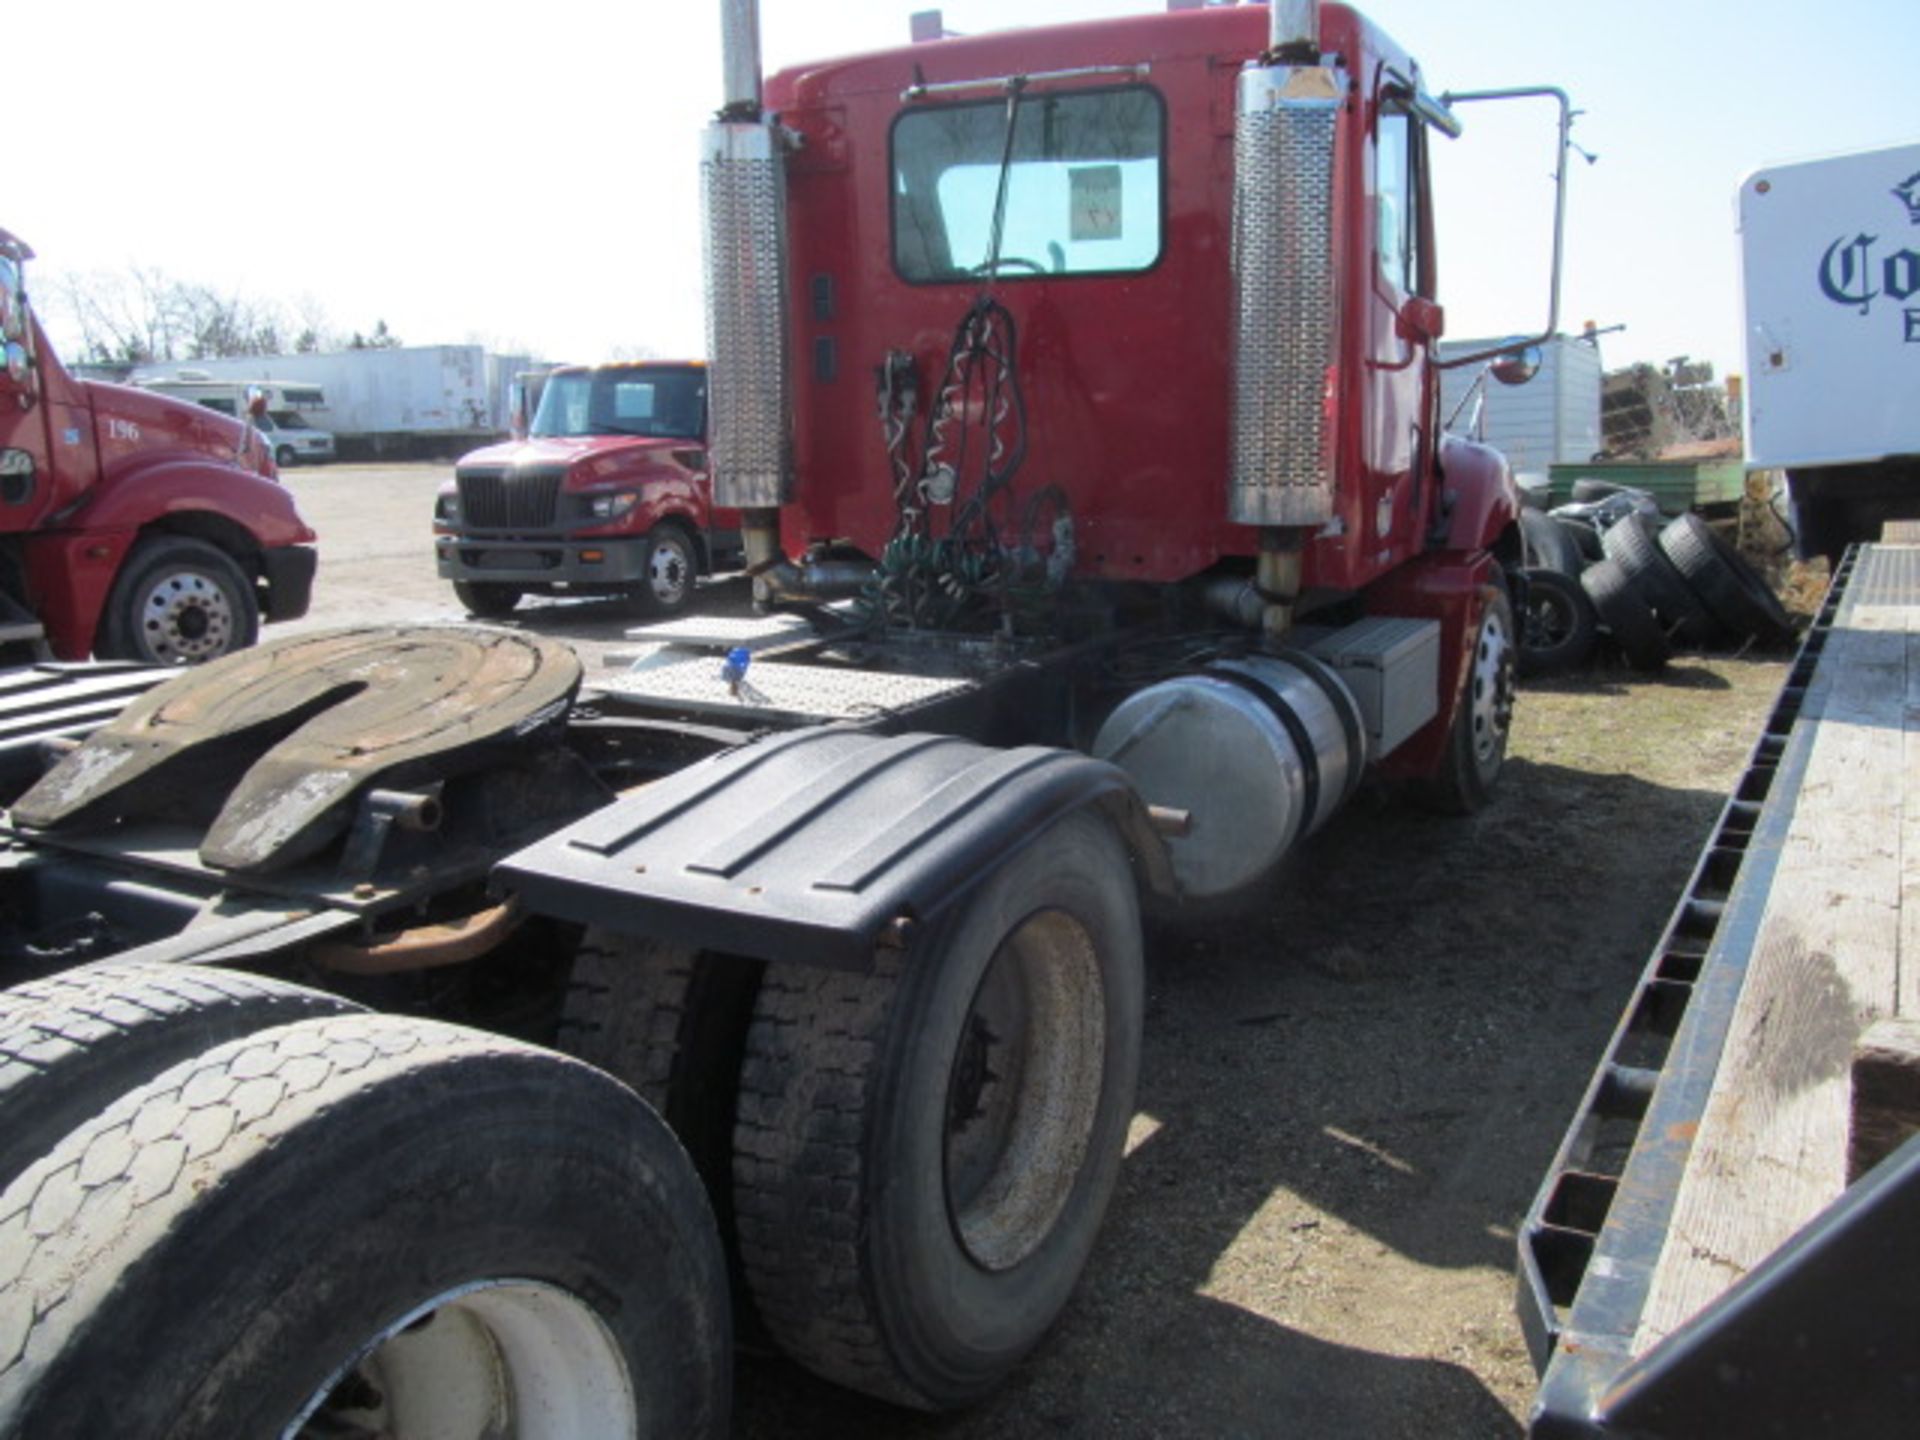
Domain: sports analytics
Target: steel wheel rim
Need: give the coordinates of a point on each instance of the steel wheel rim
(669, 570)
(1024, 1089)
(1492, 699)
(186, 617)
(1550, 619)
(497, 1357)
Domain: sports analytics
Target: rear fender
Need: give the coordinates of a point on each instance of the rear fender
(820, 845)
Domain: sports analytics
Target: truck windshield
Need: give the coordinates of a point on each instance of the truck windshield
(664, 403)
(290, 420)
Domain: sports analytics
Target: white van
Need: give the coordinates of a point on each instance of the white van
(292, 437)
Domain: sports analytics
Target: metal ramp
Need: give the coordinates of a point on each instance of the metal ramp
(1695, 1261)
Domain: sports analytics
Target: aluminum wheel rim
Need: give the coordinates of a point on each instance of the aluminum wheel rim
(1492, 687)
(498, 1357)
(1024, 1090)
(186, 617)
(667, 571)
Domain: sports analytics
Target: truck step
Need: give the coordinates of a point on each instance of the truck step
(276, 742)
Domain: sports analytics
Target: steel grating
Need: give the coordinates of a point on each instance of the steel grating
(776, 692)
(744, 189)
(1285, 317)
(720, 632)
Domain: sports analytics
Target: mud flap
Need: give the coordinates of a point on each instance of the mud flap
(817, 846)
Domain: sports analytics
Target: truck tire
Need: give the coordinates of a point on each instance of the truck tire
(1477, 744)
(671, 1023)
(1628, 617)
(178, 601)
(1559, 624)
(386, 1225)
(671, 565)
(488, 599)
(924, 1153)
(74, 1042)
(1634, 543)
(1548, 545)
(1729, 587)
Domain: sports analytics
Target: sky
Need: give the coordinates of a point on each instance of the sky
(526, 176)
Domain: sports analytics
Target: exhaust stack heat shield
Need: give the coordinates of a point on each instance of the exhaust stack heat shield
(743, 181)
(1286, 327)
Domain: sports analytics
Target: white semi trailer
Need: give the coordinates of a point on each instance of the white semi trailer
(1830, 253)
(425, 399)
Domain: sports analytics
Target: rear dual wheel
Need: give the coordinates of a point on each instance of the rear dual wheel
(381, 1226)
(923, 1155)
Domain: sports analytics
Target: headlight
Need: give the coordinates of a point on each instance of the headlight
(446, 509)
(612, 507)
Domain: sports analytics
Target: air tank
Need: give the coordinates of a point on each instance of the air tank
(1261, 751)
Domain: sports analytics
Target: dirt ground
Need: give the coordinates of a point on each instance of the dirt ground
(1346, 1102)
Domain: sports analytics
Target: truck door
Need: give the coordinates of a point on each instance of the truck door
(1402, 323)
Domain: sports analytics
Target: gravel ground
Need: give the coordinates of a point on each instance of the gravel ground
(1347, 1101)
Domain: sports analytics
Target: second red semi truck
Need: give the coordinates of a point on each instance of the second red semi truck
(1077, 392)
(134, 526)
(606, 494)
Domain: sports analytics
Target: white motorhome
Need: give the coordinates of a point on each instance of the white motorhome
(294, 438)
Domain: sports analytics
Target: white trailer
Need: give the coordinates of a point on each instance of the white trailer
(1830, 258)
(412, 399)
(1553, 419)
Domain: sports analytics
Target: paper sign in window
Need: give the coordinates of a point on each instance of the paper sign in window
(1095, 195)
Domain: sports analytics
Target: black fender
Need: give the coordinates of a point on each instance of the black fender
(819, 845)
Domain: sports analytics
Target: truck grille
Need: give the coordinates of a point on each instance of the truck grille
(523, 499)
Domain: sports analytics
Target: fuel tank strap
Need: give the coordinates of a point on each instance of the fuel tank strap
(1303, 744)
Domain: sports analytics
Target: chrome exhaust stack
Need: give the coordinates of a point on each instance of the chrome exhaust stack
(1286, 329)
(749, 377)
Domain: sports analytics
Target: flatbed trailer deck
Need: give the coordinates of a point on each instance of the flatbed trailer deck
(1696, 1256)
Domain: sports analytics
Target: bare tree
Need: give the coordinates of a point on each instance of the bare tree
(143, 316)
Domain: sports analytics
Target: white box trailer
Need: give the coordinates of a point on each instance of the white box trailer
(1830, 262)
(409, 400)
(1553, 419)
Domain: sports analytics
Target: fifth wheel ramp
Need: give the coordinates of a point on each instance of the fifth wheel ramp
(277, 741)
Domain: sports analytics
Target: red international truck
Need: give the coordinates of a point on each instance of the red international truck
(607, 493)
(133, 526)
(1077, 391)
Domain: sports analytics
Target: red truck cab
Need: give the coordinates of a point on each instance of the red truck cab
(606, 494)
(133, 526)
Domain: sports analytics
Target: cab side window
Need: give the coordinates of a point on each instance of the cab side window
(1396, 200)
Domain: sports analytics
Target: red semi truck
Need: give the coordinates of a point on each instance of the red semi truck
(133, 526)
(607, 493)
(1077, 389)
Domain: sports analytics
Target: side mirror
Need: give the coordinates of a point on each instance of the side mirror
(1516, 367)
(19, 367)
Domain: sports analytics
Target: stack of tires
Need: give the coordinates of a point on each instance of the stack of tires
(1610, 566)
